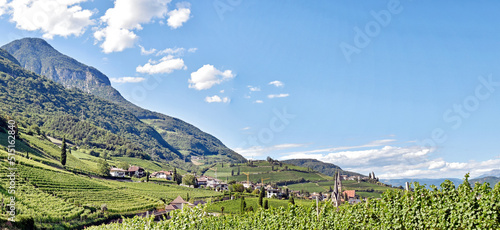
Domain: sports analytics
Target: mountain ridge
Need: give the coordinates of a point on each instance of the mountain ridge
(37, 55)
(84, 118)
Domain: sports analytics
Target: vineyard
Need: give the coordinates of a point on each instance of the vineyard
(447, 208)
(53, 197)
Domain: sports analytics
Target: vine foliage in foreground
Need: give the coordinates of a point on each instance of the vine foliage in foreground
(449, 207)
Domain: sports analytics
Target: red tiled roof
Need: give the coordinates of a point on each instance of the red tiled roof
(133, 168)
(350, 193)
(171, 207)
(118, 169)
(178, 200)
(164, 172)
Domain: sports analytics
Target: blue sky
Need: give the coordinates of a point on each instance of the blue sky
(402, 88)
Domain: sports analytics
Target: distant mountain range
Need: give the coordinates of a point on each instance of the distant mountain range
(490, 179)
(492, 173)
(40, 99)
(421, 181)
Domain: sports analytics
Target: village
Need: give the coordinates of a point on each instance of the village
(272, 191)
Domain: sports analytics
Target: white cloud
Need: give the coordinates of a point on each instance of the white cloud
(123, 18)
(253, 89)
(3, 5)
(115, 39)
(259, 101)
(127, 79)
(52, 17)
(277, 83)
(208, 76)
(171, 51)
(147, 52)
(391, 162)
(192, 50)
(222, 91)
(166, 65)
(180, 15)
(217, 99)
(375, 143)
(278, 95)
(130, 14)
(246, 128)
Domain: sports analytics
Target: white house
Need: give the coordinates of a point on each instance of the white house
(271, 192)
(117, 172)
(163, 175)
(221, 187)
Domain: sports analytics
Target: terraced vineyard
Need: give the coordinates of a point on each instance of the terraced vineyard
(54, 197)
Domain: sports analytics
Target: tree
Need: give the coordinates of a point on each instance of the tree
(243, 205)
(177, 177)
(189, 179)
(147, 176)
(238, 188)
(63, 152)
(123, 165)
(222, 165)
(238, 170)
(291, 200)
(261, 195)
(266, 205)
(35, 129)
(103, 167)
(232, 172)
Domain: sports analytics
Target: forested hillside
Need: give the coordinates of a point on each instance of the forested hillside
(38, 56)
(322, 167)
(82, 118)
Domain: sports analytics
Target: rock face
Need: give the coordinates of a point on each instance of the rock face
(40, 57)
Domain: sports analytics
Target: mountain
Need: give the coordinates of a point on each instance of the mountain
(322, 167)
(492, 173)
(421, 181)
(490, 179)
(38, 56)
(82, 118)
